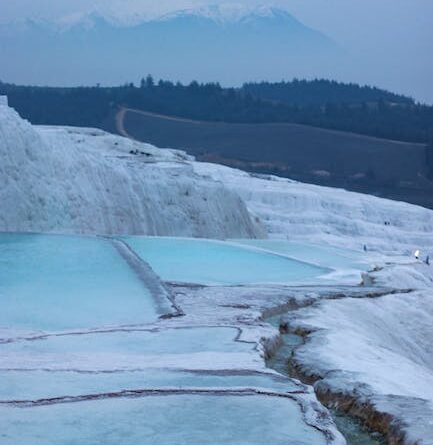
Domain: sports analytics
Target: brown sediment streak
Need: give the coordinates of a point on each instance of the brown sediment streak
(364, 410)
(150, 328)
(293, 304)
(271, 345)
(129, 328)
(154, 392)
(373, 419)
(295, 396)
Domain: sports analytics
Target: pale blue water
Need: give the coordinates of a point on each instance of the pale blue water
(34, 385)
(161, 420)
(57, 283)
(65, 282)
(325, 256)
(140, 343)
(218, 263)
(352, 429)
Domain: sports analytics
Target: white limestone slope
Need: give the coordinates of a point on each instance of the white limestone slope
(71, 180)
(306, 212)
(377, 351)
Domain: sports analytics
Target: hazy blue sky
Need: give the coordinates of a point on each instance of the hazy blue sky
(391, 40)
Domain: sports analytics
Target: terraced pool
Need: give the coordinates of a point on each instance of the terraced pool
(52, 282)
(219, 263)
(162, 420)
(346, 264)
(86, 357)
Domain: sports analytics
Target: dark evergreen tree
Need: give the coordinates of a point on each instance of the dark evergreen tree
(149, 81)
(318, 103)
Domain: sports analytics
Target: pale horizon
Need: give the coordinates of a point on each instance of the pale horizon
(390, 42)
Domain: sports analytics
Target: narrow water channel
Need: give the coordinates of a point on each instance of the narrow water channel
(354, 432)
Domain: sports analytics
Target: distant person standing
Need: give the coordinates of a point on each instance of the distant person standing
(427, 260)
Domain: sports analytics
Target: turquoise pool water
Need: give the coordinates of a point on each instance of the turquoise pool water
(346, 265)
(51, 282)
(62, 283)
(135, 343)
(161, 420)
(218, 263)
(324, 256)
(34, 385)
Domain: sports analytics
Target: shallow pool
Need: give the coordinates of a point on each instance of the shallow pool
(347, 265)
(135, 343)
(170, 419)
(35, 385)
(218, 263)
(52, 282)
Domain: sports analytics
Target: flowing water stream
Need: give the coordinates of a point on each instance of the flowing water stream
(354, 432)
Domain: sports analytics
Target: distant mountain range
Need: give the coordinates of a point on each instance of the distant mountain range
(218, 43)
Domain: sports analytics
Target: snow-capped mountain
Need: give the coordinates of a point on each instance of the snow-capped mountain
(224, 13)
(232, 14)
(256, 43)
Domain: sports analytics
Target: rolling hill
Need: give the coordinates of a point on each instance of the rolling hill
(391, 169)
(279, 132)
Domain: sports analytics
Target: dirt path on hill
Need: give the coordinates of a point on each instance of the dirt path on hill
(120, 123)
(120, 119)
